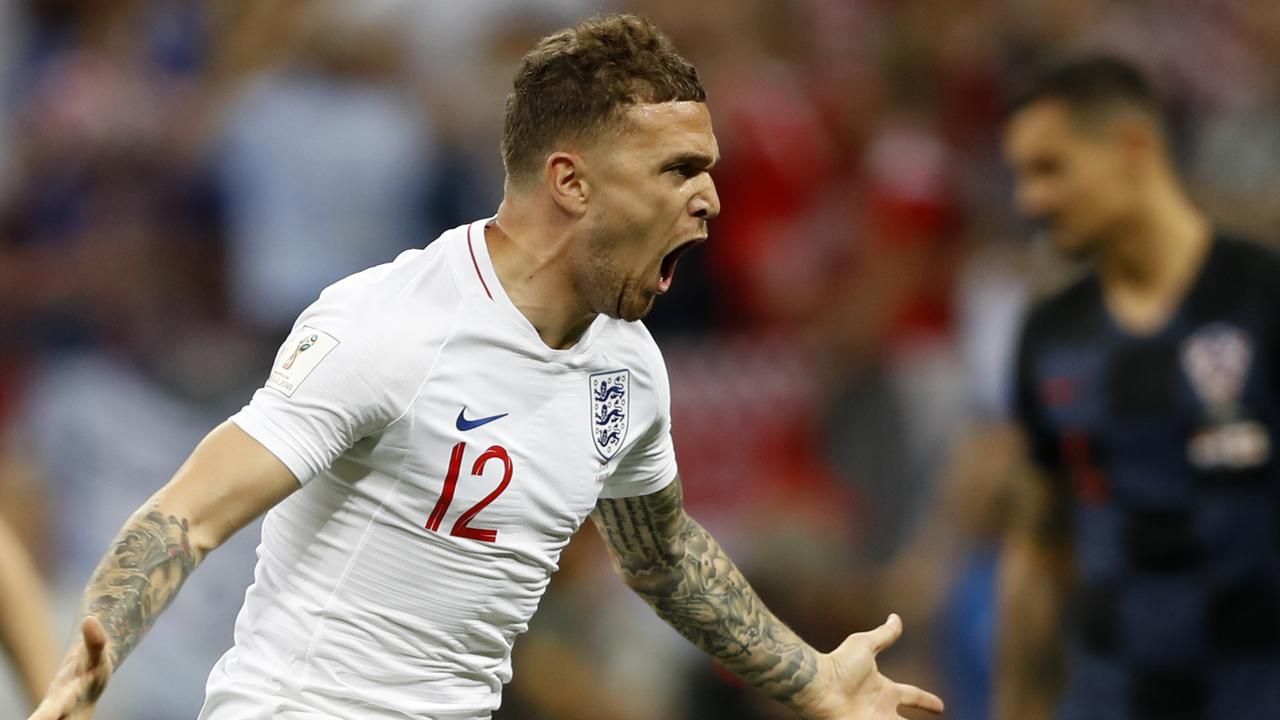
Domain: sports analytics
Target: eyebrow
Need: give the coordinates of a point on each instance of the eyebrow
(697, 159)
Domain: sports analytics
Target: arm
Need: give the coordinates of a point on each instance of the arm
(1034, 572)
(228, 480)
(26, 629)
(680, 570)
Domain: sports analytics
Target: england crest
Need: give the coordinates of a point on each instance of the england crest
(610, 394)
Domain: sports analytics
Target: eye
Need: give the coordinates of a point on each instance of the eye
(685, 170)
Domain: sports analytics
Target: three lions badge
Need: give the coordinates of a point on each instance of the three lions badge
(610, 393)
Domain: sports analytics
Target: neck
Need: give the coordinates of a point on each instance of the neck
(531, 257)
(1148, 265)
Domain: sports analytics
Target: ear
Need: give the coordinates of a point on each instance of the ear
(567, 183)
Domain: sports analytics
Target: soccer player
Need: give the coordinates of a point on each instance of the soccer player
(1145, 563)
(26, 630)
(436, 429)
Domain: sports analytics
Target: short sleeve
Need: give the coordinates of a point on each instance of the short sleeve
(650, 464)
(323, 395)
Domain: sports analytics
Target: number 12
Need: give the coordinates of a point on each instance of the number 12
(462, 528)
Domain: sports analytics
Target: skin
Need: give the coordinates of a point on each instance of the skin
(671, 562)
(1035, 576)
(1104, 186)
(1076, 178)
(618, 207)
(228, 480)
(588, 239)
(25, 626)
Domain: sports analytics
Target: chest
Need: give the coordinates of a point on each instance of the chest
(1155, 417)
(506, 448)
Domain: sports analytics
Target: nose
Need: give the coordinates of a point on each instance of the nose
(705, 203)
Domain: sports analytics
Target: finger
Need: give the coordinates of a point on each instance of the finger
(56, 705)
(93, 679)
(95, 640)
(885, 635)
(912, 696)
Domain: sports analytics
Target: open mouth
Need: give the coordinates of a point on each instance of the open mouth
(667, 270)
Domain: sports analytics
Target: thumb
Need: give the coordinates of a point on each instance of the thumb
(885, 635)
(95, 640)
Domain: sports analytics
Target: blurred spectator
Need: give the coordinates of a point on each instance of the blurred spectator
(323, 166)
(467, 54)
(106, 432)
(116, 294)
(11, 32)
(944, 579)
(91, 114)
(1237, 166)
(106, 420)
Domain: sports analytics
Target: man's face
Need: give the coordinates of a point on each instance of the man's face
(1080, 182)
(651, 196)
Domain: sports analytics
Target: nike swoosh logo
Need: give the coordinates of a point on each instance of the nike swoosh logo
(464, 424)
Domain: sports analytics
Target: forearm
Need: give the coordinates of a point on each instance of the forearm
(710, 602)
(1029, 653)
(144, 567)
(696, 588)
(25, 623)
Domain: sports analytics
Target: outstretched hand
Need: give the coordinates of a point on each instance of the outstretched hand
(80, 681)
(850, 687)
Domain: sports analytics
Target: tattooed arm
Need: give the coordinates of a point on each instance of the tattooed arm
(228, 480)
(679, 569)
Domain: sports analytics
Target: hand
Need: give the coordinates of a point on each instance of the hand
(850, 687)
(80, 681)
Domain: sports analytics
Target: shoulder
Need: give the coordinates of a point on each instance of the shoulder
(630, 345)
(633, 342)
(1243, 258)
(414, 276)
(1239, 279)
(412, 292)
(386, 317)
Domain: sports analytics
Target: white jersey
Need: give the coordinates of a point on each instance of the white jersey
(446, 456)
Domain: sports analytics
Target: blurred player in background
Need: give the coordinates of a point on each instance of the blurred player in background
(436, 429)
(1142, 576)
(26, 631)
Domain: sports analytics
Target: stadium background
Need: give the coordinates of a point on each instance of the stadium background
(179, 178)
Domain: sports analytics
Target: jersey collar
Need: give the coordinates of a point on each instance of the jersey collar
(486, 278)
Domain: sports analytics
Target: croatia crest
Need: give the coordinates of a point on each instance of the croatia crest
(609, 396)
(1217, 359)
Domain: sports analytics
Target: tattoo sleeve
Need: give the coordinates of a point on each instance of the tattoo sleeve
(682, 572)
(141, 572)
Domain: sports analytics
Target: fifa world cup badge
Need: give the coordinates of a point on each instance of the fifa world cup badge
(610, 395)
(306, 344)
(298, 357)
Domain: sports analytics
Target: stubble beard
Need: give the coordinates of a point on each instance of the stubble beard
(615, 295)
(607, 288)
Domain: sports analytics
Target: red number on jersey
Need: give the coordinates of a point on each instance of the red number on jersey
(462, 528)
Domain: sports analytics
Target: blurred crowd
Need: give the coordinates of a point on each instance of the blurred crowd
(179, 178)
